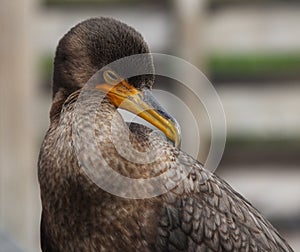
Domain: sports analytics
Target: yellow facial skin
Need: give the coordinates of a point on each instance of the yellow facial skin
(125, 96)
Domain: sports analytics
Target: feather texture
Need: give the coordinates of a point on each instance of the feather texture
(199, 212)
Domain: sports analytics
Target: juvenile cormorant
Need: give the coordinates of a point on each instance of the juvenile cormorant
(197, 215)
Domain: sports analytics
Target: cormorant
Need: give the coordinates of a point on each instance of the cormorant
(202, 213)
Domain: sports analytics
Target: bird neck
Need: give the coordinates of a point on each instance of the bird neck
(98, 128)
(59, 98)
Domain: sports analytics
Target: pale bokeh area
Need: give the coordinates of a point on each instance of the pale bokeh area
(250, 51)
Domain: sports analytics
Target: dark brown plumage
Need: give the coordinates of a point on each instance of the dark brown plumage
(79, 216)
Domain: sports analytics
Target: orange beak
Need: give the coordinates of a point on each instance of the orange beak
(143, 104)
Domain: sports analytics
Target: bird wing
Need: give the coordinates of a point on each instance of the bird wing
(203, 213)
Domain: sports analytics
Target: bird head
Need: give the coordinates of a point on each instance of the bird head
(95, 43)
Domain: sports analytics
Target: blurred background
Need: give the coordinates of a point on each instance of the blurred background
(250, 50)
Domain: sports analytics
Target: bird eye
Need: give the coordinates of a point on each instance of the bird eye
(111, 77)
